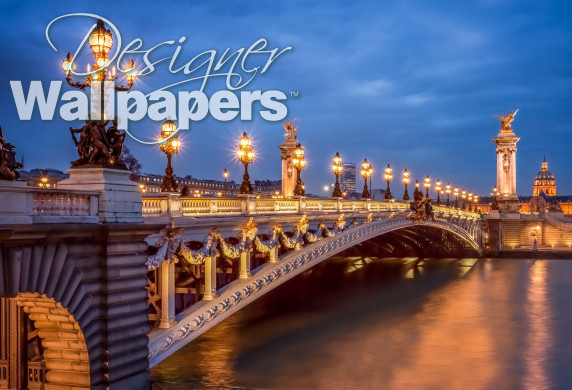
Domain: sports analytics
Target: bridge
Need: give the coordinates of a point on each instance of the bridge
(104, 292)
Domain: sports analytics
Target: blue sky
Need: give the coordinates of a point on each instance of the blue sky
(410, 83)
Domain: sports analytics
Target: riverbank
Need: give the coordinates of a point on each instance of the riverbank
(530, 254)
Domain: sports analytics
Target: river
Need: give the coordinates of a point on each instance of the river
(353, 323)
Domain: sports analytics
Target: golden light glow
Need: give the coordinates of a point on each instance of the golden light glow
(387, 175)
(366, 169)
(244, 153)
(225, 174)
(68, 65)
(438, 186)
(456, 192)
(337, 167)
(448, 188)
(427, 182)
(168, 141)
(298, 160)
(100, 40)
(464, 194)
(405, 177)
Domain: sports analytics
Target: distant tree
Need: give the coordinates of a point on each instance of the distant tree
(132, 163)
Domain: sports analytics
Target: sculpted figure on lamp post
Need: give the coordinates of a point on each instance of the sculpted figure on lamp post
(97, 147)
(8, 163)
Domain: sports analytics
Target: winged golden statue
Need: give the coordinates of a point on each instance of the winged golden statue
(291, 129)
(506, 119)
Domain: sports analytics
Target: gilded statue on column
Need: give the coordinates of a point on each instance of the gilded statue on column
(505, 121)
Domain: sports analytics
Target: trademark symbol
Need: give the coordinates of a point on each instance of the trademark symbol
(295, 94)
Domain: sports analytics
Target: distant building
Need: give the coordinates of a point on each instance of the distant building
(348, 179)
(190, 186)
(544, 182)
(47, 178)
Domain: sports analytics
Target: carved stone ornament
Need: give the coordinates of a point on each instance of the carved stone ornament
(8, 163)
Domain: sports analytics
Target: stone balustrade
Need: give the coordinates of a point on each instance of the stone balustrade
(24, 205)
(173, 204)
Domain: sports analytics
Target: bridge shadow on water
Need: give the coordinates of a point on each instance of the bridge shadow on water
(289, 331)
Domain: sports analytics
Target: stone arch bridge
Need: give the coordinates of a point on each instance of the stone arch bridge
(90, 303)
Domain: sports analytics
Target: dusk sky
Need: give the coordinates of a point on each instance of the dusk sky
(411, 83)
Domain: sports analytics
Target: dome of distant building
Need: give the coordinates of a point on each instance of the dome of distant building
(544, 182)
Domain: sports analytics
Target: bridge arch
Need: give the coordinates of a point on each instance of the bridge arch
(83, 287)
(197, 319)
(65, 349)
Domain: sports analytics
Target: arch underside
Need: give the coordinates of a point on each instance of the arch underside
(65, 350)
(394, 237)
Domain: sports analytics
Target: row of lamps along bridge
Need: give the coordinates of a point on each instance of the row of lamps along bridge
(101, 41)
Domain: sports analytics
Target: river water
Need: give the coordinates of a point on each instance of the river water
(352, 323)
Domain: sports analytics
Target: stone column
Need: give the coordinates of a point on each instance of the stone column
(506, 170)
(288, 170)
(244, 265)
(167, 294)
(210, 279)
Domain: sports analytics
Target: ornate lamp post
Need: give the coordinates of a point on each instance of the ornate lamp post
(470, 198)
(246, 156)
(456, 194)
(406, 182)
(169, 144)
(100, 42)
(463, 197)
(299, 163)
(387, 178)
(416, 190)
(337, 169)
(448, 192)
(427, 185)
(366, 172)
(438, 189)
(476, 200)
(225, 175)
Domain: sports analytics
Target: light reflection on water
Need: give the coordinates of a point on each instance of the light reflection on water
(388, 324)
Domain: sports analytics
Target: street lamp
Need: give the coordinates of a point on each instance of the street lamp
(337, 169)
(470, 201)
(456, 194)
(225, 175)
(169, 144)
(299, 163)
(246, 156)
(366, 172)
(387, 178)
(463, 197)
(427, 185)
(406, 182)
(476, 200)
(100, 42)
(448, 192)
(438, 189)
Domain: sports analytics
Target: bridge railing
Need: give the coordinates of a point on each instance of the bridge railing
(23, 204)
(176, 205)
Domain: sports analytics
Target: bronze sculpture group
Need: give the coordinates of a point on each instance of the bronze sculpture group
(420, 207)
(97, 146)
(8, 163)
